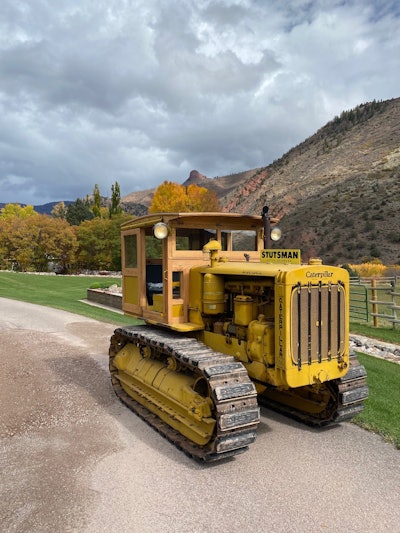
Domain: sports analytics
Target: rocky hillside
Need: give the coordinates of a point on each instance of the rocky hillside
(337, 193)
(137, 202)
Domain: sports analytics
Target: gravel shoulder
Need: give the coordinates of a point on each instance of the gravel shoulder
(73, 458)
(380, 349)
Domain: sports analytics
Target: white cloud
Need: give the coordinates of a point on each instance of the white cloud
(145, 90)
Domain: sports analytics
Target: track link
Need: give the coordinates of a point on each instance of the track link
(233, 393)
(346, 400)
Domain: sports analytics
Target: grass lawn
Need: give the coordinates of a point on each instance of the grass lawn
(61, 292)
(382, 409)
(386, 334)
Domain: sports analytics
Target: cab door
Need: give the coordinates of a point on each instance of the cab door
(132, 270)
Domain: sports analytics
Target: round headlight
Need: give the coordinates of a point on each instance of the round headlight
(160, 231)
(276, 233)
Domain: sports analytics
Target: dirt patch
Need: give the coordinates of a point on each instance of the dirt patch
(52, 429)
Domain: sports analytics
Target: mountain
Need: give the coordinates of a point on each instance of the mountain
(337, 193)
(44, 209)
(138, 203)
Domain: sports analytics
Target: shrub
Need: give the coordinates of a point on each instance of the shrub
(370, 269)
(102, 284)
(352, 273)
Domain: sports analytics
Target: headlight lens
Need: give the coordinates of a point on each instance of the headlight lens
(276, 233)
(160, 231)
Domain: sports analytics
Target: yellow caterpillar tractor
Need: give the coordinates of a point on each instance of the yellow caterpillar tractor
(229, 322)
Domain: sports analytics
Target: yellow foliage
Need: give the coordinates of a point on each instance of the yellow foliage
(35, 240)
(373, 269)
(168, 197)
(16, 210)
(171, 197)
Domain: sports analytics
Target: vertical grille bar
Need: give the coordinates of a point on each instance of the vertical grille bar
(309, 338)
(329, 322)
(339, 325)
(319, 321)
(299, 326)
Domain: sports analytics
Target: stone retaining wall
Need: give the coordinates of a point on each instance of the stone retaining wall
(110, 299)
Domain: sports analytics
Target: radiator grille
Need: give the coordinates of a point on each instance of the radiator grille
(318, 323)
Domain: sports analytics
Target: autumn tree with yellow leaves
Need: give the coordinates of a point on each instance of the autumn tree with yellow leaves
(171, 197)
(30, 241)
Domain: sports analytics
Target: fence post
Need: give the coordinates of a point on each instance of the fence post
(374, 305)
(394, 306)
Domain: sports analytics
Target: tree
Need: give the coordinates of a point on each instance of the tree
(96, 206)
(59, 211)
(115, 207)
(175, 198)
(201, 199)
(33, 242)
(168, 197)
(54, 241)
(6, 249)
(16, 210)
(100, 243)
(78, 211)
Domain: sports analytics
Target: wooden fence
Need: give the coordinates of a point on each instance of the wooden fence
(377, 298)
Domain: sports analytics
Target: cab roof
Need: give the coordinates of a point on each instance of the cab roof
(199, 220)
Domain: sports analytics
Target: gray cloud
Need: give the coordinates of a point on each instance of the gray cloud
(145, 90)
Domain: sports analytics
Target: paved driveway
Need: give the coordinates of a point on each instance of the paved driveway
(72, 458)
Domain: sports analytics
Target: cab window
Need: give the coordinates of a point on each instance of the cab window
(193, 239)
(130, 249)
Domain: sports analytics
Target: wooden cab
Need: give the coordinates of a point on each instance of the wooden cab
(156, 272)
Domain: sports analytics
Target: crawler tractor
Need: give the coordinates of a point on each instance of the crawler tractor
(229, 322)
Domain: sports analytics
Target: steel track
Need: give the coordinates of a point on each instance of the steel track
(346, 400)
(234, 395)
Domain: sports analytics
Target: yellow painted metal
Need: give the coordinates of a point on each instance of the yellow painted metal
(244, 311)
(310, 278)
(224, 344)
(213, 294)
(196, 297)
(261, 341)
(177, 310)
(167, 393)
(131, 291)
(305, 341)
(310, 399)
(158, 303)
(257, 369)
(182, 327)
(288, 323)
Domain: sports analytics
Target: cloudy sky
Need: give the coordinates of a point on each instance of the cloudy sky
(142, 91)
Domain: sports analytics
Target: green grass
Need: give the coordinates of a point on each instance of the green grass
(382, 408)
(381, 413)
(60, 292)
(386, 334)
